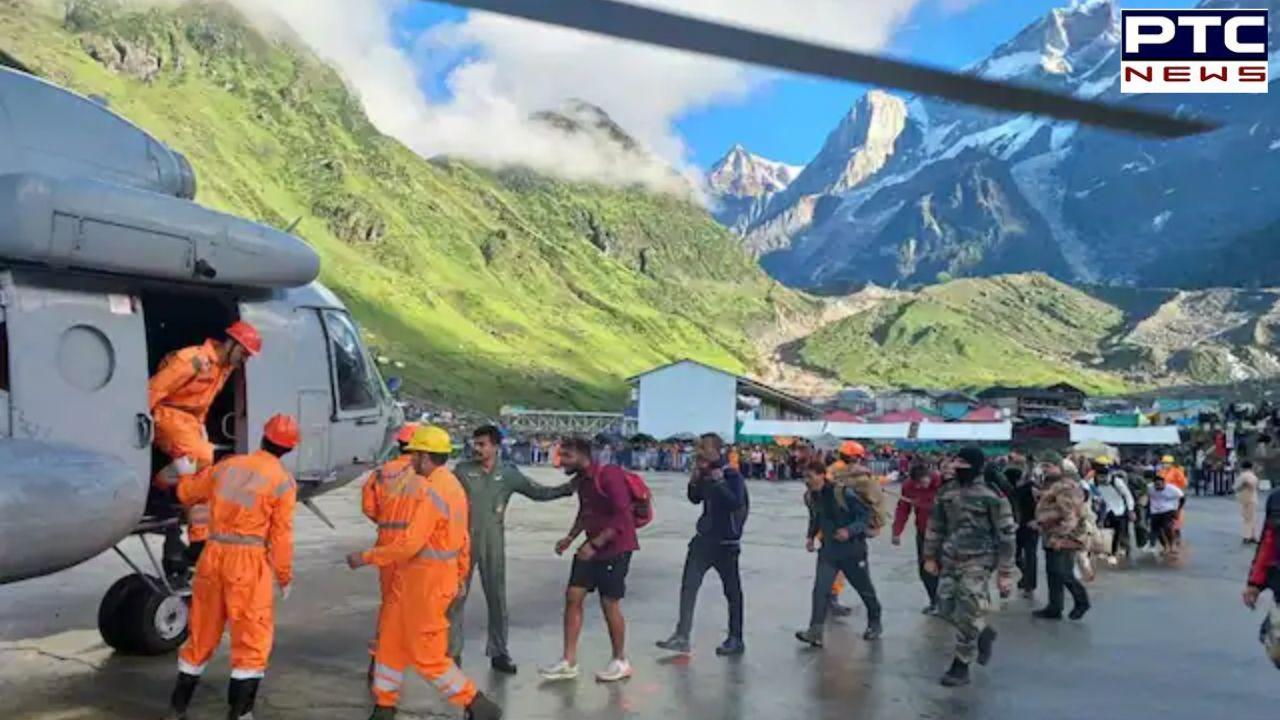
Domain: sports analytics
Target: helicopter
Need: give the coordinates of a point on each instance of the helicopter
(106, 266)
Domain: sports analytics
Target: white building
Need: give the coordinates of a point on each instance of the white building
(687, 397)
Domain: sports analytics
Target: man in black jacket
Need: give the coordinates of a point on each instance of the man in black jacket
(717, 544)
(839, 519)
(1023, 501)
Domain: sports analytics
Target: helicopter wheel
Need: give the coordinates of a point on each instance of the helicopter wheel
(138, 617)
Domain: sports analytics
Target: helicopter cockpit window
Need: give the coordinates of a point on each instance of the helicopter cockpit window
(354, 378)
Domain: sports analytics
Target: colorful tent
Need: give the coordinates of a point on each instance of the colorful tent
(843, 416)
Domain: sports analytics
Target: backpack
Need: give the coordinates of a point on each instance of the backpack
(641, 498)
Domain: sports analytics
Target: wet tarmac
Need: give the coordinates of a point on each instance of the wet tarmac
(1162, 642)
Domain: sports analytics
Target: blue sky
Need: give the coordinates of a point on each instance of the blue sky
(789, 118)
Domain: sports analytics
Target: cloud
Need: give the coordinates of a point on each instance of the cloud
(498, 71)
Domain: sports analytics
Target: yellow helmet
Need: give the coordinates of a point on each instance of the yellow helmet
(1167, 460)
(430, 439)
(1102, 460)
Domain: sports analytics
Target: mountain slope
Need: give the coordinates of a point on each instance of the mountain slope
(487, 287)
(1031, 329)
(1086, 205)
(741, 184)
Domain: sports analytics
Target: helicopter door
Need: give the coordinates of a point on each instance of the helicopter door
(80, 376)
(358, 427)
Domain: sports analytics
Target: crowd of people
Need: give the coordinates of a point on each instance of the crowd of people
(977, 523)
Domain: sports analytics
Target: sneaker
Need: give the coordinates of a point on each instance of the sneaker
(731, 647)
(809, 638)
(562, 670)
(930, 610)
(677, 643)
(873, 631)
(616, 670)
(986, 643)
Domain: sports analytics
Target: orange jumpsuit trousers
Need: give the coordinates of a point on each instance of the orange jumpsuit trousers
(430, 560)
(383, 496)
(251, 500)
(179, 396)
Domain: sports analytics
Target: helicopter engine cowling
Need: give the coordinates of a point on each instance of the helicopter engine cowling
(61, 505)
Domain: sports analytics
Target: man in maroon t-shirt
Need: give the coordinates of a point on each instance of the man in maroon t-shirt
(605, 514)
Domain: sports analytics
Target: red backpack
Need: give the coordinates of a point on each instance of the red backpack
(641, 497)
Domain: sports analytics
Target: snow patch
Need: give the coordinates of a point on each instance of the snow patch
(1275, 145)
(1010, 136)
(1158, 222)
(1062, 134)
(1011, 65)
(1038, 180)
(936, 137)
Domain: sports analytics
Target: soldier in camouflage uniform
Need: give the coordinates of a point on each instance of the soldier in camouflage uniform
(971, 534)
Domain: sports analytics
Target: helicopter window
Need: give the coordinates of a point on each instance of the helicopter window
(352, 372)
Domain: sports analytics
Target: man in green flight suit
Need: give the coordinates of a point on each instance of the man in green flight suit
(489, 485)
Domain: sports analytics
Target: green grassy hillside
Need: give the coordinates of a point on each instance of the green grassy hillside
(489, 287)
(1010, 330)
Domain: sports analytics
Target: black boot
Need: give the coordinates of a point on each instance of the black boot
(381, 712)
(503, 664)
(986, 643)
(958, 674)
(183, 689)
(874, 630)
(241, 695)
(838, 609)
(482, 708)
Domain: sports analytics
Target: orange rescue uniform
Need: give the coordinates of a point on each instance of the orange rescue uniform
(179, 396)
(429, 560)
(251, 500)
(1176, 477)
(383, 499)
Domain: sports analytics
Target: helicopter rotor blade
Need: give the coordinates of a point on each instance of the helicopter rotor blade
(681, 32)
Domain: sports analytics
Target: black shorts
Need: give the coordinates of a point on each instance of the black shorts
(607, 576)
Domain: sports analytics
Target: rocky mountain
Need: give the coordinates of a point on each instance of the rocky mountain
(1031, 329)
(479, 287)
(931, 189)
(741, 184)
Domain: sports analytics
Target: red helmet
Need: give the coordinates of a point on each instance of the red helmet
(282, 430)
(406, 433)
(247, 335)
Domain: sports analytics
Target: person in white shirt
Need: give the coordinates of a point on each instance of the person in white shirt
(1247, 493)
(1120, 509)
(1166, 501)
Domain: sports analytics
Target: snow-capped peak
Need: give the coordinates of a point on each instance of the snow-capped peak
(744, 174)
(1066, 43)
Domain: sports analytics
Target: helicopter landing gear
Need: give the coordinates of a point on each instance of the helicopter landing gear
(146, 613)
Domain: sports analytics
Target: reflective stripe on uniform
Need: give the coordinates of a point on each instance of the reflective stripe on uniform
(198, 513)
(187, 668)
(393, 526)
(285, 487)
(239, 674)
(452, 682)
(433, 554)
(239, 485)
(389, 672)
(438, 501)
(237, 539)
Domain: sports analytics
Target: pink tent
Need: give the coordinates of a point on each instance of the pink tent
(843, 416)
(983, 414)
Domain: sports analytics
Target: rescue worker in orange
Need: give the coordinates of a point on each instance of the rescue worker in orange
(1175, 476)
(429, 560)
(179, 396)
(251, 500)
(381, 499)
